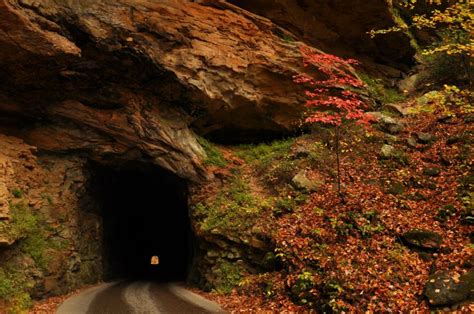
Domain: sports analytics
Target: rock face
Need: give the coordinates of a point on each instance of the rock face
(127, 81)
(339, 26)
(46, 199)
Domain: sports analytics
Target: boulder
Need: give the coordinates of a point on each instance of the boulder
(431, 97)
(390, 152)
(422, 239)
(431, 172)
(301, 182)
(396, 109)
(454, 140)
(411, 83)
(444, 289)
(425, 138)
(387, 151)
(396, 188)
(387, 124)
(390, 139)
(469, 118)
(411, 142)
(446, 119)
(301, 151)
(464, 138)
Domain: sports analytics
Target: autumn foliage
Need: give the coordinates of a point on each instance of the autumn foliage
(334, 99)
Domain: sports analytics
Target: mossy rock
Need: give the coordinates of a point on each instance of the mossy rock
(396, 188)
(442, 289)
(422, 239)
(390, 152)
(388, 124)
(387, 151)
(411, 142)
(302, 183)
(425, 138)
(432, 172)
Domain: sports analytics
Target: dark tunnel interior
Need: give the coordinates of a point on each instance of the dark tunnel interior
(144, 212)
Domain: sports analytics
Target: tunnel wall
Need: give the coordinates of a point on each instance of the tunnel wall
(50, 227)
(52, 221)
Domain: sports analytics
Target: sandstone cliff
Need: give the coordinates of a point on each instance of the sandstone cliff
(141, 81)
(132, 79)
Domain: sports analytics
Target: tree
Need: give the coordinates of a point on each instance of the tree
(452, 21)
(334, 99)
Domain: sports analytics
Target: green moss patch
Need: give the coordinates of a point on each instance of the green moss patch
(262, 155)
(229, 276)
(214, 156)
(13, 285)
(234, 208)
(31, 233)
(380, 92)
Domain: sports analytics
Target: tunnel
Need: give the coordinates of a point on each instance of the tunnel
(144, 217)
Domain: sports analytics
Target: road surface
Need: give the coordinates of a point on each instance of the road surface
(138, 297)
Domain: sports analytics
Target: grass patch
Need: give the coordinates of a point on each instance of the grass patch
(380, 92)
(234, 208)
(23, 222)
(264, 154)
(279, 161)
(286, 205)
(214, 156)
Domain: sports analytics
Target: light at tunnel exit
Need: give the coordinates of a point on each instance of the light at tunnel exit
(155, 260)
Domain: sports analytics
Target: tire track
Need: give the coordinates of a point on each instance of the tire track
(139, 297)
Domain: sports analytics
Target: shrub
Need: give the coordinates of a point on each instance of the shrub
(17, 193)
(302, 289)
(229, 276)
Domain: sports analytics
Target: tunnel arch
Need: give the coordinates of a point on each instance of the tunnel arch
(144, 211)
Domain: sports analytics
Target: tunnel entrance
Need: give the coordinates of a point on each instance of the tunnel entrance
(144, 212)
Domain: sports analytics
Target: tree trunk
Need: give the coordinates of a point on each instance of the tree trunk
(338, 162)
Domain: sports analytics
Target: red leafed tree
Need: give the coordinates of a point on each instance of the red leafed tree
(334, 99)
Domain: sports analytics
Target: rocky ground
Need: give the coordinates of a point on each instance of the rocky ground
(400, 240)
